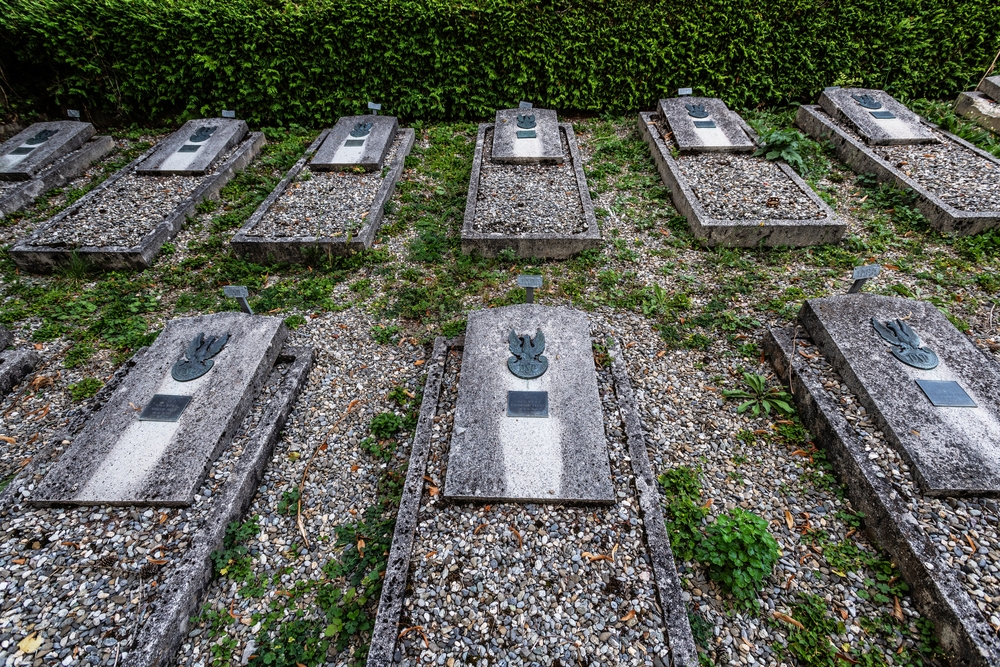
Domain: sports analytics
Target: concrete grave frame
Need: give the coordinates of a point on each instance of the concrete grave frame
(14, 364)
(738, 233)
(386, 632)
(959, 625)
(58, 173)
(162, 633)
(540, 245)
(44, 259)
(861, 158)
(303, 248)
(980, 107)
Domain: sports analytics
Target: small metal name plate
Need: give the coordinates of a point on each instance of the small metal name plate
(529, 280)
(188, 148)
(684, 92)
(527, 404)
(526, 134)
(164, 408)
(354, 142)
(23, 150)
(866, 272)
(946, 394)
(882, 115)
(704, 124)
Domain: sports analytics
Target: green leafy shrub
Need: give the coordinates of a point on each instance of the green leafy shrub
(385, 334)
(280, 62)
(740, 553)
(784, 145)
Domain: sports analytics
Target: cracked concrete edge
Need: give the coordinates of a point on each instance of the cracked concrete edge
(683, 652)
(537, 245)
(298, 249)
(862, 159)
(980, 107)
(44, 259)
(739, 233)
(937, 593)
(390, 606)
(164, 631)
(61, 172)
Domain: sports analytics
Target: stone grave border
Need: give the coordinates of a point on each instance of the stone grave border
(180, 595)
(17, 364)
(58, 173)
(971, 105)
(937, 593)
(738, 233)
(675, 616)
(303, 248)
(862, 159)
(43, 259)
(534, 244)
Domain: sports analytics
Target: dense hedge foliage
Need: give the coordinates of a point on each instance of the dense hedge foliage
(307, 62)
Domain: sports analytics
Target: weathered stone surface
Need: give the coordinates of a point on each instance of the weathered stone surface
(991, 86)
(900, 126)
(739, 233)
(981, 108)
(41, 144)
(305, 248)
(542, 148)
(953, 451)
(340, 150)
(534, 244)
(864, 160)
(705, 125)
(559, 458)
(195, 148)
(56, 174)
(938, 594)
(118, 459)
(14, 365)
(179, 597)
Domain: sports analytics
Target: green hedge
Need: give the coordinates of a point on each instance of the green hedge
(279, 62)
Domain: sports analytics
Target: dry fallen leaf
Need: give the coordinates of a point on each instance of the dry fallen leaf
(30, 643)
(520, 542)
(789, 520)
(156, 561)
(433, 490)
(897, 610)
(660, 353)
(7, 438)
(846, 658)
(595, 557)
(843, 613)
(787, 619)
(479, 528)
(355, 467)
(430, 554)
(361, 548)
(629, 616)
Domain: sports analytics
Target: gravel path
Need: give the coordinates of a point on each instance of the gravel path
(524, 199)
(531, 584)
(324, 204)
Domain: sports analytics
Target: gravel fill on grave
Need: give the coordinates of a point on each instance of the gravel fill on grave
(346, 388)
(520, 583)
(742, 187)
(324, 203)
(948, 170)
(953, 524)
(688, 424)
(124, 213)
(86, 577)
(528, 199)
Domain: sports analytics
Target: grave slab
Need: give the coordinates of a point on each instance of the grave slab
(119, 459)
(562, 457)
(60, 172)
(195, 148)
(953, 451)
(808, 220)
(936, 190)
(301, 238)
(705, 125)
(981, 108)
(532, 185)
(991, 86)
(876, 116)
(117, 242)
(38, 146)
(356, 142)
(527, 136)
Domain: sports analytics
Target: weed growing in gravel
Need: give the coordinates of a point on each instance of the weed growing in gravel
(233, 559)
(685, 515)
(85, 388)
(385, 334)
(760, 397)
(385, 425)
(739, 552)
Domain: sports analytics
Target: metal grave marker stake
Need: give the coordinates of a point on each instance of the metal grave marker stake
(164, 408)
(946, 394)
(530, 283)
(227, 113)
(374, 108)
(524, 105)
(73, 113)
(863, 274)
(685, 92)
(528, 404)
(240, 293)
